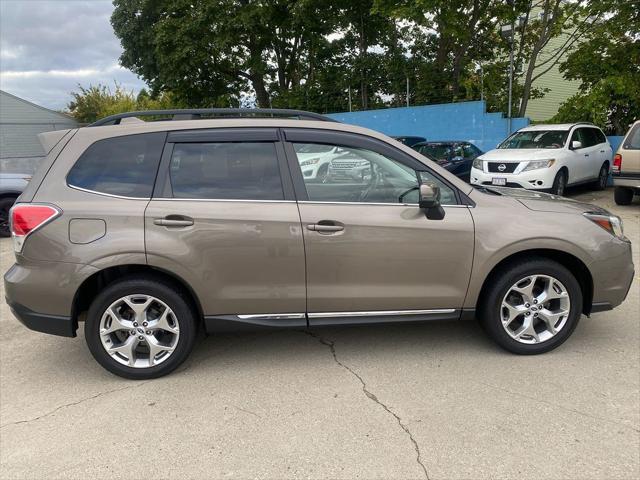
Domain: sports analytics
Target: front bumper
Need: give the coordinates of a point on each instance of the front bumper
(612, 276)
(541, 179)
(40, 322)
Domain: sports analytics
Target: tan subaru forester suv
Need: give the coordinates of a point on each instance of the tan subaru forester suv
(149, 231)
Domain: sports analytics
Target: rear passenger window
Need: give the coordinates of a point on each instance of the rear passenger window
(235, 171)
(124, 166)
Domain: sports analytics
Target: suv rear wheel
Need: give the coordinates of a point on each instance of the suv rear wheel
(531, 306)
(5, 205)
(140, 328)
(603, 178)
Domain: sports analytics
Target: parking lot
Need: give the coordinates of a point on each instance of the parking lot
(436, 401)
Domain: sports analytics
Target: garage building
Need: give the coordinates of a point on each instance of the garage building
(20, 123)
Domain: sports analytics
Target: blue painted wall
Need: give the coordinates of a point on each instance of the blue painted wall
(615, 142)
(450, 121)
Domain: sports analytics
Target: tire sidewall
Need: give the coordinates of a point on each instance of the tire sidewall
(181, 308)
(6, 203)
(491, 309)
(556, 182)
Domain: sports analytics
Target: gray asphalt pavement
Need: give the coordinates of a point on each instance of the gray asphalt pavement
(436, 401)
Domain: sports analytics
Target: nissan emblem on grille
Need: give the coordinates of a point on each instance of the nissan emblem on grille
(502, 167)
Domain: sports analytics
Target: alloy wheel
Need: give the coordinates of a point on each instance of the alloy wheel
(139, 331)
(535, 309)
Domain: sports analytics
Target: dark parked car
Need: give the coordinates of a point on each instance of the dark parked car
(455, 156)
(409, 141)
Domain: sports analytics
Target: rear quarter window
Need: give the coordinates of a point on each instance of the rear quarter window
(632, 141)
(124, 166)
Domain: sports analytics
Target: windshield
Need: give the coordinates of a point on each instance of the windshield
(439, 151)
(536, 139)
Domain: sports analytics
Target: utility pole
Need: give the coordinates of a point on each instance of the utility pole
(510, 77)
(481, 83)
(407, 91)
(349, 97)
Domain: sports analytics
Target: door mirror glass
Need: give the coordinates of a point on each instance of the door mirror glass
(576, 144)
(430, 201)
(429, 195)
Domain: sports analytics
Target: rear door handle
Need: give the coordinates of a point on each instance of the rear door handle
(173, 221)
(326, 226)
(586, 154)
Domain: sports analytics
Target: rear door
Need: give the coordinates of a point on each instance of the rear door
(223, 217)
(371, 253)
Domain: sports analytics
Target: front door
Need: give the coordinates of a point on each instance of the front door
(224, 218)
(370, 251)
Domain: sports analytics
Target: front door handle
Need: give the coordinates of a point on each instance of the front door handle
(326, 226)
(586, 154)
(174, 221)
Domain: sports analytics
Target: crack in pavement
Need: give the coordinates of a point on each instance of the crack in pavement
(71, 404)
(561, 407)
(371, 396)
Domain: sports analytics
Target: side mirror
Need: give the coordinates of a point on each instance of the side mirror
(429, 200)
(576, 144)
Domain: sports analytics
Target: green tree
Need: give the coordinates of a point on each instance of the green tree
(99, 101)
(209, 52)
(607, 64)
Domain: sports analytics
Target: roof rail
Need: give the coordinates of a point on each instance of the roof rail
(199, 113)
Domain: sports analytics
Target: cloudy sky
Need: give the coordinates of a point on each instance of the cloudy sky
(48, 47)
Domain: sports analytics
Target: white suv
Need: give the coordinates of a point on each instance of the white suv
(547, 157)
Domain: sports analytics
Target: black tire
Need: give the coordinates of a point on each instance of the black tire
(5, 205)
(157, 287)
(623, 195)
(498, 286)
(603, 178)
(559, 183)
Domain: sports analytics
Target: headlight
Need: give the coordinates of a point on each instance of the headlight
(611, 223)
(536, 164)
(477, 163)
(311, 161)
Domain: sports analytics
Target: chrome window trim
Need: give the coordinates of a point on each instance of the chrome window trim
(381, 313)
(95, 192)
(271, 316)
(379, 204)
(220, 200)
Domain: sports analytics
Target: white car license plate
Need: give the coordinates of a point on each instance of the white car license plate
(499, 181)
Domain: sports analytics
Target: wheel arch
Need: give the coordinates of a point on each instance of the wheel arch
(89, 288)
(572, 263)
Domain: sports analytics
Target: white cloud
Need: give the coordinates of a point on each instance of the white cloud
(48, 47)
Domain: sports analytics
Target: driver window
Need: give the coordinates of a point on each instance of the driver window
(578, 135)
(334, 173)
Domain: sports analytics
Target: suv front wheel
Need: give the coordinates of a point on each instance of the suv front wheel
(140, 327)
(531, 306)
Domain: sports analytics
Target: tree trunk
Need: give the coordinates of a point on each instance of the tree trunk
(262, 97)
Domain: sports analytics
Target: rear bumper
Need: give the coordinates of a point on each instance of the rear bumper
(41, 294)
(632, 182)
(41, 322)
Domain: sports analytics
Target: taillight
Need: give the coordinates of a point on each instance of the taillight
(617, 163)
(27, 218)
